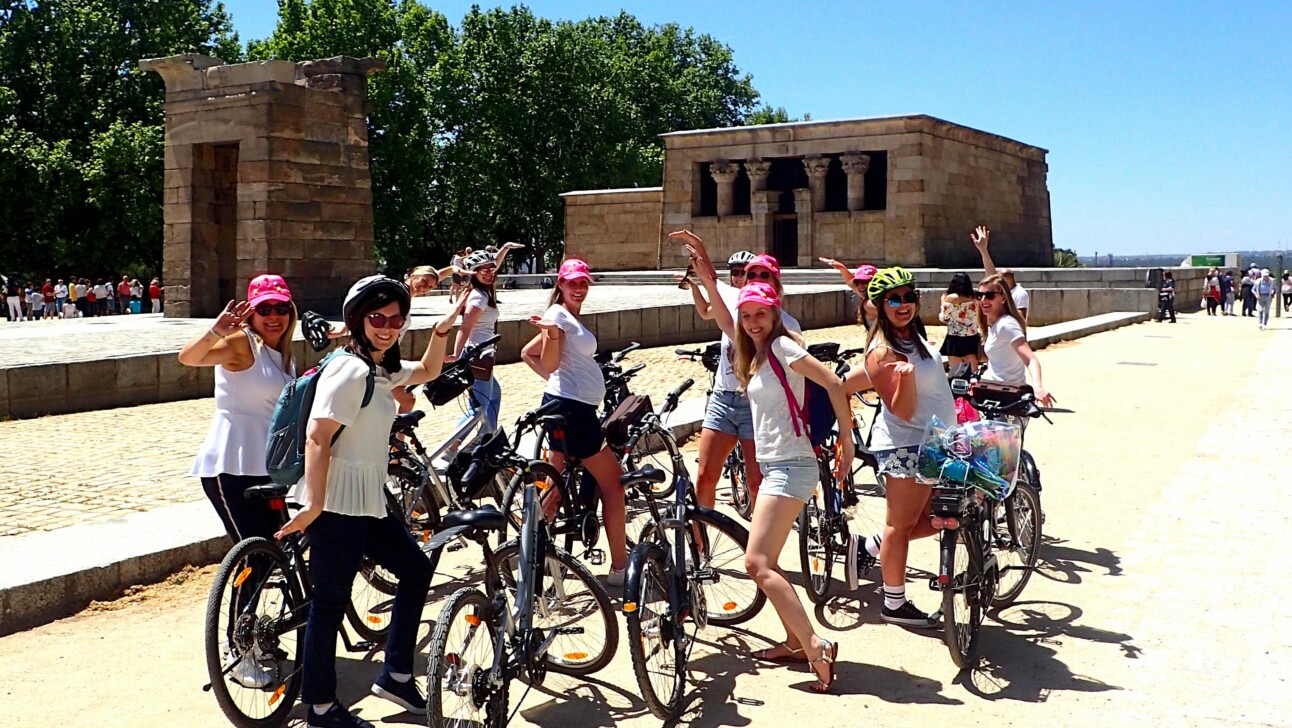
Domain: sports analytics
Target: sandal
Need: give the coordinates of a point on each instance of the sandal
(829, 651)
(793, 655)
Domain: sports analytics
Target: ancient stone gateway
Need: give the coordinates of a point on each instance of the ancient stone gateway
(897, 190)
(266, 171)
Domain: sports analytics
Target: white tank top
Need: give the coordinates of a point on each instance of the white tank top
(244, 402)
(933, 398)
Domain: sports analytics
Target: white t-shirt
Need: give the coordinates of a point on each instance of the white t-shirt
(487, 324)
(1020, 296)
(1003, 362)
(726, 380)
(577, 377)
(774, 437)
(60, 291)
(356, 476)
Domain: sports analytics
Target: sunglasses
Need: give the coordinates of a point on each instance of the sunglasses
(281, 309)
(896, 299)
(763, 276)
(382, 321)
(986, 295)
(737, 272)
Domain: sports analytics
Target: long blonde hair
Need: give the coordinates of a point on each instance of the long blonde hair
(748, 358)
(1010, 309)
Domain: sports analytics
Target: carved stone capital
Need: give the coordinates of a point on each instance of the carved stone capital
(816, 165)
(855, 162)
(723, 172)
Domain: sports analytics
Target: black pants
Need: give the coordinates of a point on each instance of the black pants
(1211, 306)
(337, 546)
(1249, 303)
(1166, 307)
(242, 518)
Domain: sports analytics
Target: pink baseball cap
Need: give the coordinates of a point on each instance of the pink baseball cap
(758, 292)
(268, 287)
(574, 269)
(765, 261)
(865, 273)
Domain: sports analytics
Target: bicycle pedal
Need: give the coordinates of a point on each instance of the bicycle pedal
(596, 557)
(567, 630)
(707, 576)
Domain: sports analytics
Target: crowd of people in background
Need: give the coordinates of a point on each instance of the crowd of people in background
(30, 300)
(1255, 290)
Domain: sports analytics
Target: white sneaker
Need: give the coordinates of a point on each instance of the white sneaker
(615, 577)
(248, 673)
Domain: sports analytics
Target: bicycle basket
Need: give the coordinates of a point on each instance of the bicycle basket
(448, 386)
(825, 351)
(629, 413)
(468, 483)
(982, 455)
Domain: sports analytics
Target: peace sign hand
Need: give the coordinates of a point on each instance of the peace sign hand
(231, 318)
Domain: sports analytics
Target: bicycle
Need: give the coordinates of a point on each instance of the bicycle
(257, 610)
(697, 574)
(521, 626)
(733, 468)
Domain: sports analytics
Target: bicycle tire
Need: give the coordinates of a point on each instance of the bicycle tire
(654, 632)
(733, 467)
(816, 549)
(962, 612)
(566, 656)
(445, 665)
(1022, 527)
(382, 580)
(663, 459)
(286, 682)
(734, 598)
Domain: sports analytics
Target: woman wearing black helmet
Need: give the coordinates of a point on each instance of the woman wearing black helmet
(344, 508)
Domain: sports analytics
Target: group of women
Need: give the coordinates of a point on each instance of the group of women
(759, 387)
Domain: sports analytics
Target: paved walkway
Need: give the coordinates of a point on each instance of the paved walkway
(1159, 601)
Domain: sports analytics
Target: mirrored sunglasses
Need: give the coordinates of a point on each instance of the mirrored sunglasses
(897, 299)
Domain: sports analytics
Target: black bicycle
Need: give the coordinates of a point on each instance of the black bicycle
(733, 468)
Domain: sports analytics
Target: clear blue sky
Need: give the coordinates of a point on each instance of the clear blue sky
(1169, 124)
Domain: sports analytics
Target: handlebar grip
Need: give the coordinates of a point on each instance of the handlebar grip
(688, 352)
(631, 348)
(634, 369)
(472, 469)
(684, 386)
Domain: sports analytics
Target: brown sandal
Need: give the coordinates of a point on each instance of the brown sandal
(794, 655)
(829, 651)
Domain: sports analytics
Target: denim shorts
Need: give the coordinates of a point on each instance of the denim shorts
(729, 412)
(899, 462)
(795, 478)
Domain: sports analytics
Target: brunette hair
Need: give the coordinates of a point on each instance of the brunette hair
(748, 358)
(1010, 309)
(359, 344)
(960, 285)
(490, 290)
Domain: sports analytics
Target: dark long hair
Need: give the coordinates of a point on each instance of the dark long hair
(961, 285)
(490, 291)
(359, 344)
(884, 331)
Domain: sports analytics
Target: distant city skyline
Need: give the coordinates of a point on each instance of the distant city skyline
(1166, 123)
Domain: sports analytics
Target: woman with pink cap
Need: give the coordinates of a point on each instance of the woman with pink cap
(866, 311)
(773, 367)
(249, 345)
(562, 353)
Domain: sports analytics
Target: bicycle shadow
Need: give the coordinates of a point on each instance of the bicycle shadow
(581, 701)
(1065, 564)
(1025, 667)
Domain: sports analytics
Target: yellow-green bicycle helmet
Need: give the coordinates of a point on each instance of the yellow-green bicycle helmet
(887, 280)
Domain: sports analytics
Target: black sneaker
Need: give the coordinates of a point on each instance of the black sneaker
(908, 615)
(404, 694)
(335, 717)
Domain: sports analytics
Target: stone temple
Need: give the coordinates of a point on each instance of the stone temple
(889, 190)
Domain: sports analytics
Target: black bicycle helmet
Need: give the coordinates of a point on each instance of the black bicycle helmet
(365, 288)
(315, 328)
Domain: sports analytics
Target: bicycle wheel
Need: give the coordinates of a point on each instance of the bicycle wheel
(425, 522)
(961, 609)
(734, 470)
(656, 447)
(371, 606)
(459, 691)
(1018, 542)
(254, 635)
(513, 501)
(657, 641)
(731, 597)
(571, 597)
(816, 549)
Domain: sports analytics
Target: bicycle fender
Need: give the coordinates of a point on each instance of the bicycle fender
(441, 538)
(633, 575)
(722, 519)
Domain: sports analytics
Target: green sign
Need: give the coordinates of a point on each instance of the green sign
(1206, 261)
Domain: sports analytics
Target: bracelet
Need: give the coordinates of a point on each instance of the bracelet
(217, 334)
(439, 334)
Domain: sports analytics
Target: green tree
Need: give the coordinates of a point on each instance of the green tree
(767, 115)
(1065, 258)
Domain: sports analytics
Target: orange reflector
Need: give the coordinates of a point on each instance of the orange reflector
(630, 606)
(472, 620)
(543, 484)
(426, 536)
(576, 655)
(242, 576)
(374, 619)
(729, 606)
(278, 693)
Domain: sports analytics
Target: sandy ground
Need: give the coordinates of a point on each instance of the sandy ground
(1158, 602)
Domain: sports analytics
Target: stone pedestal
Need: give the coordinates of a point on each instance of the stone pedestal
(816, 167)
(855, 165)
(724, 173)
(266, 172)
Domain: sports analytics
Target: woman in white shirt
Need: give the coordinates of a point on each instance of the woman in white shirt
(343, 504)
(776, 393)
(1009, 357)
(562, 353)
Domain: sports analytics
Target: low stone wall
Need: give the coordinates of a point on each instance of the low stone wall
(1056, 305)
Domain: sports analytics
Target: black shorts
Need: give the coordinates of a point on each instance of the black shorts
(460, 279)
(960, 346)
(583, 436)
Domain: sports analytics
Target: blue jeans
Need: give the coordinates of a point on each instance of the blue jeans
(489, 394)
(337, 546)
(1265, 301)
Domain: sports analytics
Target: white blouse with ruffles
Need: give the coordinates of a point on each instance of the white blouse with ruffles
(356, 475)
(244, 402)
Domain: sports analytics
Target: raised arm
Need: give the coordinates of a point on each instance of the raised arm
(696, 246)
(216, 346)
(718, 312)
(980, 236)
(502, 253)
(432, 362)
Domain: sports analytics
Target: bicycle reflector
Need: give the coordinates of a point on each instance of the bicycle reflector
(630, 607)
(947, 524)
(277, 504)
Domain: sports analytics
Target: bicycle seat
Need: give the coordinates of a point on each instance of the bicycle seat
(644, 476)
(552, 421)
(408, 419)
(486, 517)
(272, 490)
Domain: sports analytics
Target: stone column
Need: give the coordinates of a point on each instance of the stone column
(803, 203)
(758, 170)
(761, 207)
(855, 165)
(816, 167)
(724, 173)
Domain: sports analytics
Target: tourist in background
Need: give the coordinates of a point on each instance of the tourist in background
(1211, 292)
(155, 292)
(459, 283)
(857, 282)
(1166, 297)
(1249, 298)
(1286, 290)
(1265, 288)
(13, 298)
(49, 305)
(959, 311)
(73, 296)
(1227, 285)
(60, 296)
(35, 303)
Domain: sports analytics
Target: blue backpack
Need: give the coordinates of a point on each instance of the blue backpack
(285, 448)
(816, 414)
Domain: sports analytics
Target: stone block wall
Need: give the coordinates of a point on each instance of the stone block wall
(614, 229)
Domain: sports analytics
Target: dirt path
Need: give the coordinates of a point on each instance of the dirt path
(1159, 601)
